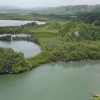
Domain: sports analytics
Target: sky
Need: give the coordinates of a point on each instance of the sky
(46, 3)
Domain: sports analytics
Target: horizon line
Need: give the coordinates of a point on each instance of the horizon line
(49, 6)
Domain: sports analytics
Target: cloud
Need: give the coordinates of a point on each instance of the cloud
(45, 3)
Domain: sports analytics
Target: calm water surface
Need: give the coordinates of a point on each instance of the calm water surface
(55, 81)
(4, 23)
(29, 49)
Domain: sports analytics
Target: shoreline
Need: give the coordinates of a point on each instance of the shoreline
(32, 68)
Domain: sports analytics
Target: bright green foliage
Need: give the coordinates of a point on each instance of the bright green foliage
(96, 98)
(85, 31)
(91, 18)
(11, 62)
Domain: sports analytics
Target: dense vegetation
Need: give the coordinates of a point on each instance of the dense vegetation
(5, 38)
(12, 62)
(80, 31)
(91, 18)
(28, 38)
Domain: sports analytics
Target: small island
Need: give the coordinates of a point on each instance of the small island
(6, 38)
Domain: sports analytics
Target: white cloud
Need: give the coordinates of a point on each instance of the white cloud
(45, 3)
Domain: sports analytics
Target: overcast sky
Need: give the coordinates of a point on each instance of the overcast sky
(46, 3)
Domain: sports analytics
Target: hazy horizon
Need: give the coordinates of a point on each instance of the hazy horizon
(46, 3)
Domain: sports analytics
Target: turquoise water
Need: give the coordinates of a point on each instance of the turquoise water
(54, 81)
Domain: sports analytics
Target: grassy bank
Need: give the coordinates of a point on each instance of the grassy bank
(98, 98)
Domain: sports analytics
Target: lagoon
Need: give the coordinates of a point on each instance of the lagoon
(29, 49)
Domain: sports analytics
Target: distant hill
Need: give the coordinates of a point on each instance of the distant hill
(71, 9)
(62, 10)
(12, 9)
(8, 7)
